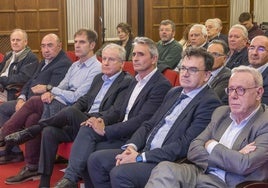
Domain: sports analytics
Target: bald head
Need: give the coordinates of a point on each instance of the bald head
(258, 51)
(50, 46)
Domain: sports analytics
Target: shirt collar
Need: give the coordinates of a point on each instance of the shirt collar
(147, 77)
(247, 118)
(166, 43)
(106, 78)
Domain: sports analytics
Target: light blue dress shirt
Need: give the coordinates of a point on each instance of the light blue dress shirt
(77, 81)
(107, 82)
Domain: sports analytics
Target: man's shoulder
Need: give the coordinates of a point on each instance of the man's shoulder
(159, 79)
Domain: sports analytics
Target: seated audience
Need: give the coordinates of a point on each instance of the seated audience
(234, 146)
(183, 115)
(17, 66)
(220, 74)
(111, 127)
(237, 41)
(258, 58)
(76, 83)
(50, 72)
(198, 36)
(214, 28)
(246, 20)
(125, 35)
(168, 48)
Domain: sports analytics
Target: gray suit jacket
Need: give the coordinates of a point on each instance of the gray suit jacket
(238, 167)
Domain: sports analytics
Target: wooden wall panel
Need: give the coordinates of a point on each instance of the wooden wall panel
(37, 17)
(183, 13)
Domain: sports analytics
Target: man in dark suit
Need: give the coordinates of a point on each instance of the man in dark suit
(258, 59)
(234, 146)
(167, 135)
(18, 65)
(220, 74)
(110, 130)
(50, 71)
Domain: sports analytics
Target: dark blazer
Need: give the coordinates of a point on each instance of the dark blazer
(220, 82)
(52, 74)
(189, 124)
(147, 102)
(265, 86)
(20, 71)
(112, 98)
(238, 58)
(239, 167)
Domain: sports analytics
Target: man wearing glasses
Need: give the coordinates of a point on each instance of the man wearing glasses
(220, 74)
(184, 113)
(234, 146)
(258, 59)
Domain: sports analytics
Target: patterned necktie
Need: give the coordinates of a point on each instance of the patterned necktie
(162, 122)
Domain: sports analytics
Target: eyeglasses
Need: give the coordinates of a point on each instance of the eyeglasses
(190, 70)
(216, 54)
(260, 49)
(239, 90)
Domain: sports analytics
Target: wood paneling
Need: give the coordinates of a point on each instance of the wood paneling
(37, 17)
(183, 13)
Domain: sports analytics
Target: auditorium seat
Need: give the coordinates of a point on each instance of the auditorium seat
(72, 56)
(172, 76)
(128, 67)
(1, 57)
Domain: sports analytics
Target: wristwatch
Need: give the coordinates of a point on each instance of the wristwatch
(49, 87)
(139, 158)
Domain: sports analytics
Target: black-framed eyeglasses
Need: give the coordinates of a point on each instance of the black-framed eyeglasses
(239, 90)
(260, 49)
(190, 70)
(216, 54)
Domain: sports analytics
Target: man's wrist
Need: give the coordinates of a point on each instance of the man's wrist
(49, 87)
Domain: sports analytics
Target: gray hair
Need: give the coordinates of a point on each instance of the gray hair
(242, 28)
(25, 36)
(215, 23)
(258, 80)
(202, 27)
(121, 50)
(149, 42)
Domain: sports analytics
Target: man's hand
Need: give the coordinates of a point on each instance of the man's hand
(98, 126)
(208, 142)
(128, 156)
(19, 104)
(39, 89)
(47, 97)
(248, 148)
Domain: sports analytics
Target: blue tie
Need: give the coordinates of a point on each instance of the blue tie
(162, 122)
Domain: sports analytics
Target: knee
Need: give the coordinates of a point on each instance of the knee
(49, 133)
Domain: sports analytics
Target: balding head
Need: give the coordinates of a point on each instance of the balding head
(50, 46)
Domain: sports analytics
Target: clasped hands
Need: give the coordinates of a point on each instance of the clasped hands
(128, 156)
(97, 124)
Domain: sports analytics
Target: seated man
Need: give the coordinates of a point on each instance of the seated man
(220, 74)
(18, 65)
(169, 49)
(198, 36)
(184, 113)
(214, 27)
(143, 97)
(75, 84)
(237, 42)
(50, 71)
(234, 146)
(258, 59)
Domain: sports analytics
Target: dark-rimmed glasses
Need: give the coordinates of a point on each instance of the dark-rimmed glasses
(239, 90)
(190, 70)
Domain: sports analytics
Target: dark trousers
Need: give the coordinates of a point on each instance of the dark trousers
(104, 174)
(86, 142)
(63, 127)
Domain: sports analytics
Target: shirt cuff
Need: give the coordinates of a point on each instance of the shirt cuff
(23, 97)
(211, 146)
(124, 147)
(143, 157)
